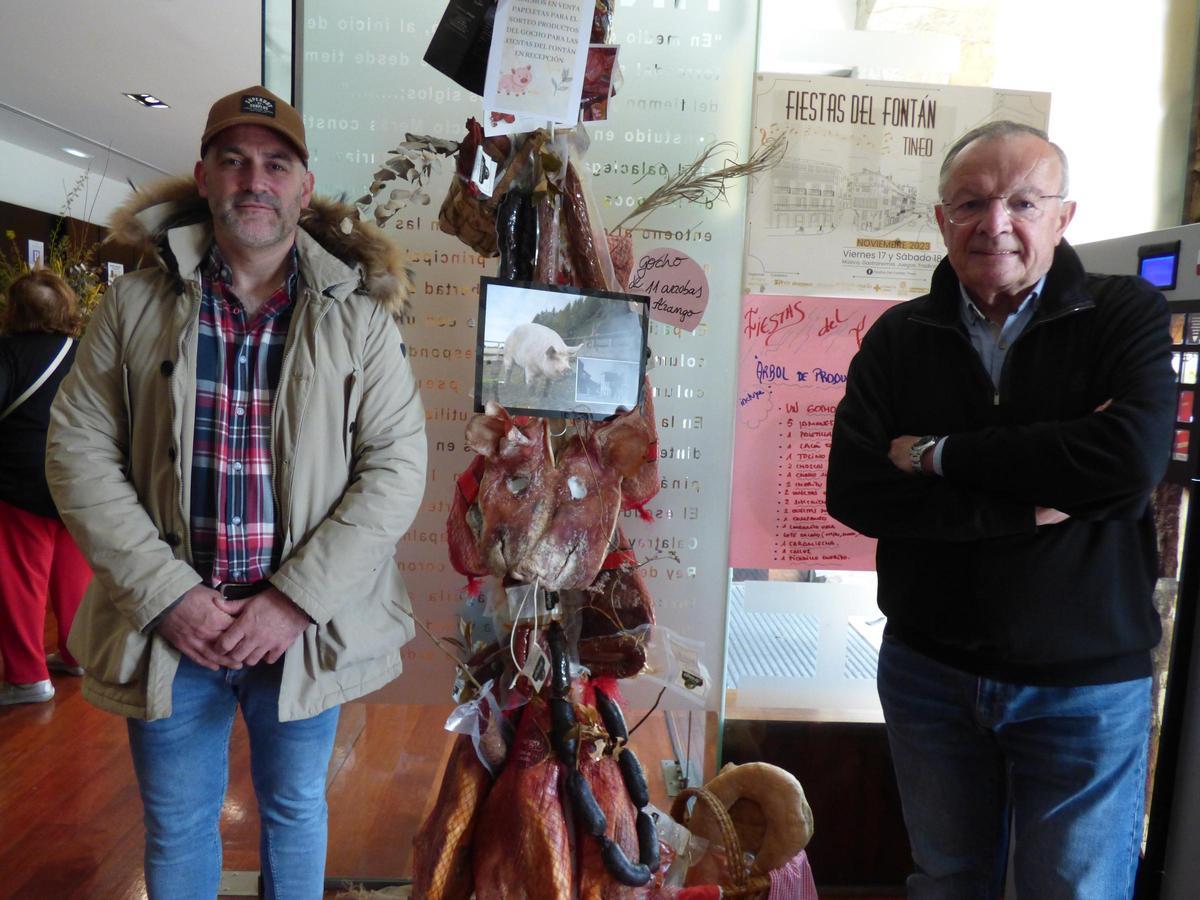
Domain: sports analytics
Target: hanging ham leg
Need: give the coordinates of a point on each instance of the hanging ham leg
(442, 848)
(522, 850)
(604, 778)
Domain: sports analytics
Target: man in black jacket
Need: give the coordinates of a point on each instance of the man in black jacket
(1001, 436)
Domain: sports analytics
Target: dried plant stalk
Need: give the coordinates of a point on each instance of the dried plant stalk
(693, 185)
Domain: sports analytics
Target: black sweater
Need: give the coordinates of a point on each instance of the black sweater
(964, 574)
(23, 358)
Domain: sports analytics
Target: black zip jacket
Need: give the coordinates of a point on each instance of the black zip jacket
(23, 358)
(965, 576)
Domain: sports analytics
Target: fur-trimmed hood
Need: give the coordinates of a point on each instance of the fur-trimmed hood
(142, 224)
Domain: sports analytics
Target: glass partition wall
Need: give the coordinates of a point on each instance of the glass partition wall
(790, 655)
(363, 90)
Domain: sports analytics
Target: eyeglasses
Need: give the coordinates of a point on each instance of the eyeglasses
(1022, 206)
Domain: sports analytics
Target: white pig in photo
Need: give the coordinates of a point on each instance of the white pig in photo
(540, 353)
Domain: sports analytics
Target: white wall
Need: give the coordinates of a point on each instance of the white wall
(1120, 76)
(1121, 82)
(39, 182)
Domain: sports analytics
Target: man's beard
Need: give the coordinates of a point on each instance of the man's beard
(256, 232)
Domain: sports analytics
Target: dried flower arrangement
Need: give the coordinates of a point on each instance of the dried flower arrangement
(695, 183)
(405, 172)
(70, 253)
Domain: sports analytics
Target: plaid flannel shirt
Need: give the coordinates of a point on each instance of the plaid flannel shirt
(238, 362)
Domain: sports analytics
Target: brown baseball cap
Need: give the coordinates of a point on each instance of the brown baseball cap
(255, 106)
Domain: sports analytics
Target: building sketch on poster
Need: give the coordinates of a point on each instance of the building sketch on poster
(535, 70)
(792, 362)
(850, 209)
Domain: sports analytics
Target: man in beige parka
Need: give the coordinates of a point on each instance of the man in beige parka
(238, 450)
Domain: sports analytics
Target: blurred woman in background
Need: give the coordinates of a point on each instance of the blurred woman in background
(39, 561)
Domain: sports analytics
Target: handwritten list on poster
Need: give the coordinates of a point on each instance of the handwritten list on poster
(794, 353)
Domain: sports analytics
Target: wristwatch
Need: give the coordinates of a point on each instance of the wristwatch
(917, 450)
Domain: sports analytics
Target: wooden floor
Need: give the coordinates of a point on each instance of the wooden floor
(70, 816)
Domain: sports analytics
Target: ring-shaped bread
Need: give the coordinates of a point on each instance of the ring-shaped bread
(787, 821)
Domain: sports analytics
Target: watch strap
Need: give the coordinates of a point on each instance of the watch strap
(917, 451)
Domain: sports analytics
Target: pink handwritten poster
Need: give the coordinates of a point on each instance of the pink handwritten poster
(793, 356)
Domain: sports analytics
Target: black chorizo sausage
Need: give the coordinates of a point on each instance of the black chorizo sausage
(619, 866)
(614, 719)
(590, 814)
(634, 778)
(647, 833)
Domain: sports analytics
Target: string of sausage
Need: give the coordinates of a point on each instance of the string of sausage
(566, 745)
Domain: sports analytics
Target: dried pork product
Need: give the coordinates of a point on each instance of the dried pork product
(620, 250)
(585, 258)
(522, 850)
(513, 500)
(442, 848)
(616, 601)
(630, 442)
(464, 523)
(516, 235)
(520, 513)
(620, 655)
(546, 265)
(604, 778)
(583, 493)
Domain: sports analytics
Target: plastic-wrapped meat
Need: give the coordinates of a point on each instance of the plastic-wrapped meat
(604, 778)
(616, 601)
(620, 250)
(585, 257)
(546, 267)
(522, 849)
(602, 21)
(619, 655)
(567, 248)
(516, 235)
(442, 848)
(616, 615)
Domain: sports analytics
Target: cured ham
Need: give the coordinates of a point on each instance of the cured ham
(604, 778)
(522, 850)
(442, 848)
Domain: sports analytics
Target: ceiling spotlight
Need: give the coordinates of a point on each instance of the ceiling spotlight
(73, 152)
(148, 100)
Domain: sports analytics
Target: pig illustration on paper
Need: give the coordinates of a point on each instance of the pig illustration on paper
(516, 81)
(540, 352)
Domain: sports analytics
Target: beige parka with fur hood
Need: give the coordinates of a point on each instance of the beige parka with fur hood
(348, 447)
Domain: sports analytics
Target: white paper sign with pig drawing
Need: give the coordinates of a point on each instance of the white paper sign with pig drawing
(536, 64)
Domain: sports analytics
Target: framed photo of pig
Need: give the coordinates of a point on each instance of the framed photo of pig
(559, 352)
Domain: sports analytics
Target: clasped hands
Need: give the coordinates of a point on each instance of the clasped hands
(212, 631)
(898, 454)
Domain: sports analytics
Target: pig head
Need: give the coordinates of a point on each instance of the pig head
(541, 354)
(533, 510)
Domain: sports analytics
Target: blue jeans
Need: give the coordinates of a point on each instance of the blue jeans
(1068, 765)
(182, 766)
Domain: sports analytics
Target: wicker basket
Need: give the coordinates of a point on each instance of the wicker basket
(472, 218)
(745, 886)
